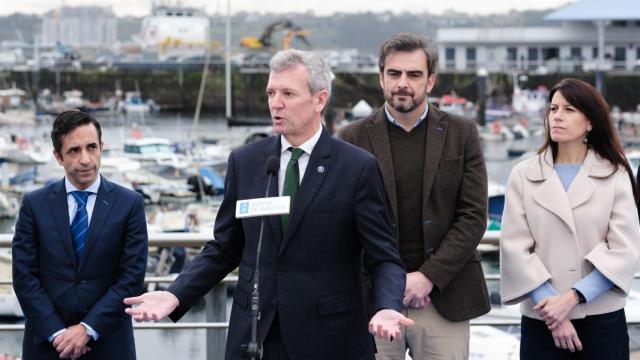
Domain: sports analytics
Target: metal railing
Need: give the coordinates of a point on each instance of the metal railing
(216, 299)
(491, 237)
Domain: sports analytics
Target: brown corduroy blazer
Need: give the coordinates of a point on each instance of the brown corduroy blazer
(454, 205)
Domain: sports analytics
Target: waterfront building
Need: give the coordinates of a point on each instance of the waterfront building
(570, 43)
(93, 27)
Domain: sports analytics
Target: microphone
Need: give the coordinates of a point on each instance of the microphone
(273, 166)
(253, 350)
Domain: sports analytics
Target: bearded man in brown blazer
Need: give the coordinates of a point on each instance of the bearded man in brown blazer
(436, 182)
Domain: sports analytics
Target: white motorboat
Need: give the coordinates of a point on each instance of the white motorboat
(155, 152)
(21, 150)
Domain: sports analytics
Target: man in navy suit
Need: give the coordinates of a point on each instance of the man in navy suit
(310, 268)
(80, 247)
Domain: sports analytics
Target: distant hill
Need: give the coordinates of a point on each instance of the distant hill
(19, 27)
(363, 31)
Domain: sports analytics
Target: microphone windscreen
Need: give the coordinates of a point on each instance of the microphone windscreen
(273, 165)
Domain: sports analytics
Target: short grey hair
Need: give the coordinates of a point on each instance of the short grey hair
(319, 71)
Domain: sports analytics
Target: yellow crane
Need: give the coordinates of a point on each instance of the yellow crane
(265, 40)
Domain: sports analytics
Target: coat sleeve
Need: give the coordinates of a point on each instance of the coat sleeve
(466, 232)
(381, 257)
(218, 257)
(617, 257)
(521, 270)
(34, 301)
(106, 314)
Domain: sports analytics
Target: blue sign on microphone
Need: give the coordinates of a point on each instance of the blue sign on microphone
(262, 206)
(244, 207)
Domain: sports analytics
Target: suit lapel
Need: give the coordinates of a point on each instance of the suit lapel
(550, 194)
(379, 137)
(311, 182)
(272, 149)
(59, 208)
(581, 189)
(101, 209)
(436, 134)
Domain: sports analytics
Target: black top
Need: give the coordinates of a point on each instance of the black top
(408, 153)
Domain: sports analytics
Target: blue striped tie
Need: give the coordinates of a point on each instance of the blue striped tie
(80, 224)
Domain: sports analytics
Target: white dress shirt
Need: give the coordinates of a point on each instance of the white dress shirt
(91, 200)
(285, 156)
(73, 207)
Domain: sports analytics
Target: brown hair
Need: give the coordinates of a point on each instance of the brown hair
(408, 42)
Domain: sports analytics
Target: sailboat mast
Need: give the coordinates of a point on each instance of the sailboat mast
(227, 63)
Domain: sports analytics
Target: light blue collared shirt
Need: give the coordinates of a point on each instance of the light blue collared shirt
(73, 207)
(590, 286)
(393, 120)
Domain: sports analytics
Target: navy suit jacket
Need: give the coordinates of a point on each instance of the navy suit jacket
(56, 290)
(311, 276)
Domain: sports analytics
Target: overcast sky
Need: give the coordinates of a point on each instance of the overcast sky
(320, 7)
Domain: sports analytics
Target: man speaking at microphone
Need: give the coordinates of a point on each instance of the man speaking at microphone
(311, 303)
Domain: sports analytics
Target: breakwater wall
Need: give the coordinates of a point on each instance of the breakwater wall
(177, 89)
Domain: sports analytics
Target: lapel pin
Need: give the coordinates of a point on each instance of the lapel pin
(105, 202)
(321, 169)
(440, 129)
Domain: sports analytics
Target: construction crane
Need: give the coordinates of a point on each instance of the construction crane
(265, 40)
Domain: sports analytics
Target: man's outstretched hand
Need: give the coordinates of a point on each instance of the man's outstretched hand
(386, 324)
(152, 306)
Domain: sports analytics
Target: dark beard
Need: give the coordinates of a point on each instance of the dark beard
(402, 107)
(405, 108)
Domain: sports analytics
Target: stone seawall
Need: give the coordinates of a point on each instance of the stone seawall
(176, 89)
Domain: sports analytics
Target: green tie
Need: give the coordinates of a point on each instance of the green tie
(291, 183)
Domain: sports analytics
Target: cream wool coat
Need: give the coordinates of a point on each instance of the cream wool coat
(550, 234)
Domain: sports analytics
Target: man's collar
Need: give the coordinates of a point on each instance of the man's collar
(394, 121)
(93, 188)
(307, 146)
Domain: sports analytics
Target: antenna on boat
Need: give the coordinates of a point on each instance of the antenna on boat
(137, 85)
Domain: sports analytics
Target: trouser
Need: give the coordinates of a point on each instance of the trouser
(603, 336)
(432, 337)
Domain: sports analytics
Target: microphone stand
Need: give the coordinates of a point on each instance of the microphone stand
(253, 350)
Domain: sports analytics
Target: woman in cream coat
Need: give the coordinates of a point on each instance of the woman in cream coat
(570, 239)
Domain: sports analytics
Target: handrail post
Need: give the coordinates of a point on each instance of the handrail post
(216, 311)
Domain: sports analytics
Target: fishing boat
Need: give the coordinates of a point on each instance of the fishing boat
(133, 104)
(15, 108)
